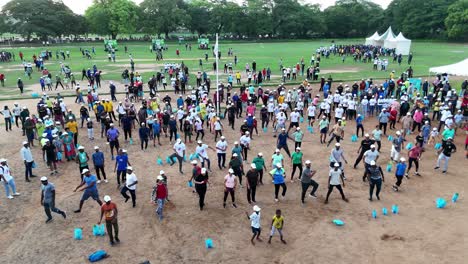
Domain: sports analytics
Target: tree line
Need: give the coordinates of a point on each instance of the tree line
(432, 19)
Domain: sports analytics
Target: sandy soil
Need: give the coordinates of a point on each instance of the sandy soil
(419, 234)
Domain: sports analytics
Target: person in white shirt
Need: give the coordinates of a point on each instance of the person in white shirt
(28, 160)
(130, 185)
(339, 113)
(201, 151)
(311, 114)
(351, 112)
(221, 148)
(280, 122)
(16, 113)
(255, 223)
(371, 155)
(7, 179)
(295, 117)
(218, 128)
(179, 153)
(334, 181)
(245, 144)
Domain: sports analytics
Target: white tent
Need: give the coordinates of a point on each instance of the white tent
(371, 40)
(380, 40)
(459, 68)
(389, 42)
(402, 44)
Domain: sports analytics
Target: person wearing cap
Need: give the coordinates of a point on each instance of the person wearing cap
(259, 162)
(426, 131)
(73, 126)
(230, 184)
(445, 114)
(82, 159)
(99, 164)
(298, 135)
(236, 165)
(84, 114)
(323, 126)
(201, 181)
(383, 120)
(109, 210)
(159, 196)
(282, 142)
(121, 163)
(218, 128)
(335, 180)
(245, 145)
(7, 179)
(49, 152)
(251, 183)
(28, 126)
(221, 148)
(112, 135)
(278, 174)
(306, 181)
(371, 155)
(28, 160)
(296, 160)
(399, 173)
(445, 152)
(90, 190)
(397, 143)
(376, 177)
(144, 132)
(255, 223)
(337, 154)
(48, 199)
(449, 132)
(377, 134)
(202, 151)
(414, 155)
(337, 133)
(130, 186)
(237, 149)
(406, 123)
(179, 153)
(8, 116)
(364, 146)
(436, 109)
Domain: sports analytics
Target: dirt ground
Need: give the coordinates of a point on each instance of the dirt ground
(420, 233)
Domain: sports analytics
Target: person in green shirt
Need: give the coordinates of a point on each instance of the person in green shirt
(296, 162)
(277, 158)
(82, 160)
(259, 165)
(236, 165)
(323, 125)
(448, 133)
(298, 136)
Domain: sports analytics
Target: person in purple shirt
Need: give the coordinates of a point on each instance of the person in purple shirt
(113, 139)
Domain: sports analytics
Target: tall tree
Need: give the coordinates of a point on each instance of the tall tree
(457, 20)
(198, 12)
(112, 17)
(163, 16)
(41, 17)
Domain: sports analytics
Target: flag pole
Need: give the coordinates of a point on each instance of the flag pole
(217, 77)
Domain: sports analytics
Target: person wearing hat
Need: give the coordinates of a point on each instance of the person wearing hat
(377, 135)
(306, 181)
(278, 174)
(159, 196)
(236, 165)
(259, 162)
(121, 163)
(406, 123)
(383, 118)
(426, 131)
(143, 133)
(335, 180)
(202, 151)
(113, 138)
(109, 210)
(28, 160)
(255, 223)
(397, 143)
(48, 199)
(221, 148)
(179, 153)
(282, 142)
(399, 173)
(298, 135)
(436, 109)
(251, 183)
(201, 181)
(445, 152)
(230, 184)
(49, 152)
(7, 179)
(337, 133)
(376, 177)
(364, 146)
(82, 159)
(371, 155)
(99, 163)
(296, 160)
(8, 116)
(73, 127)
(245, 145)
(90, 190)
(130, 186)
(323, 126)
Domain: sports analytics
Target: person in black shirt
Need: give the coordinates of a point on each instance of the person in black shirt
(252, 180)
(365, 146)
(420, 139)
(445, 153)
(200, 181)
(50, 156)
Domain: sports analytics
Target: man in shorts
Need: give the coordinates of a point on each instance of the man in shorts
(323, 125)
(255, 224)
(90, 190)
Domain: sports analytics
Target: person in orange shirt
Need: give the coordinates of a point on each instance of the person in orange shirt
(109, 210)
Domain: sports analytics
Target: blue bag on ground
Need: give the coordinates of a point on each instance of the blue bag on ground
(374, 214)
(98, 255)
(441, 203)
(338, 222)
(59, 156)
(389, 167)
(209, 243)
(455, 197)
(390, 138)
(384, 211)
(78, 234)
(301, 119)
(159, 161)
(409, 146)
(395, 209)
(265, 129)
(354, 138)
(131, 141)
(168, 160)
(438, 146)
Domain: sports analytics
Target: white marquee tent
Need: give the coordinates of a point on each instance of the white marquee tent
(402, 44)
(389, 42)
(388, 34)
(459, 68)
(371, 40)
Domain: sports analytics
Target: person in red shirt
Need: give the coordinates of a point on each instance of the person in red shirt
(2, 79)
(393, 117)
(159, 196)
(414, 155)
(109, 210)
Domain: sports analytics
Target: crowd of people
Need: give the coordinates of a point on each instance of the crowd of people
(285, 113)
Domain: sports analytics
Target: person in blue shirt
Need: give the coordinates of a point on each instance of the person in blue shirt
(98, 161)
(282, 141)
(156, 132)
(359, 125)
(180, 101)
(172, 128)
(121, 163)
(90, 190)
(278, 174)
(399, 173)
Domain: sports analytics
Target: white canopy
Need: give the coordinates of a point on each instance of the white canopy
(402, 45)
(380, 40)
(371, 40)
(389, 42)
(459, 68)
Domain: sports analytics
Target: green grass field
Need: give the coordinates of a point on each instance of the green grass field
(426, 55)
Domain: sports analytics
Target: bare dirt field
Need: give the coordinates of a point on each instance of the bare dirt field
(420, 233)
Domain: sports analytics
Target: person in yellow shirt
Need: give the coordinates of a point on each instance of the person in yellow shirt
(238, 77)
(281, 99)
(436, 108)
(109, 107)
(277, 224)
(73, 126)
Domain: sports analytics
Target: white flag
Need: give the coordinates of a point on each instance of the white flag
(215, 50)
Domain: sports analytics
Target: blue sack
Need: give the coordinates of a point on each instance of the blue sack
(177, 136)
(301, 119)
(438, 146)
(168, 160)
(441, 203)
(390, 138)
(374, 214)
(389, 167)
(384, 211)
(131, 141)
(208, 243)
(190, 184)
(78, 234)
(338, 222)
(174, 159)
(455, 197)
(185, 158)
(34, 165)
(59, 156)
(159, 161)
(409, 146)
(395, 209)
(98, 255)
(265, 129)
(354, 138)
(95, 230)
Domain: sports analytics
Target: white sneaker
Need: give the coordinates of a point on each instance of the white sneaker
(106, 181)
(276, 200)
(10, 197)
(16, 194)
(99, 181)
